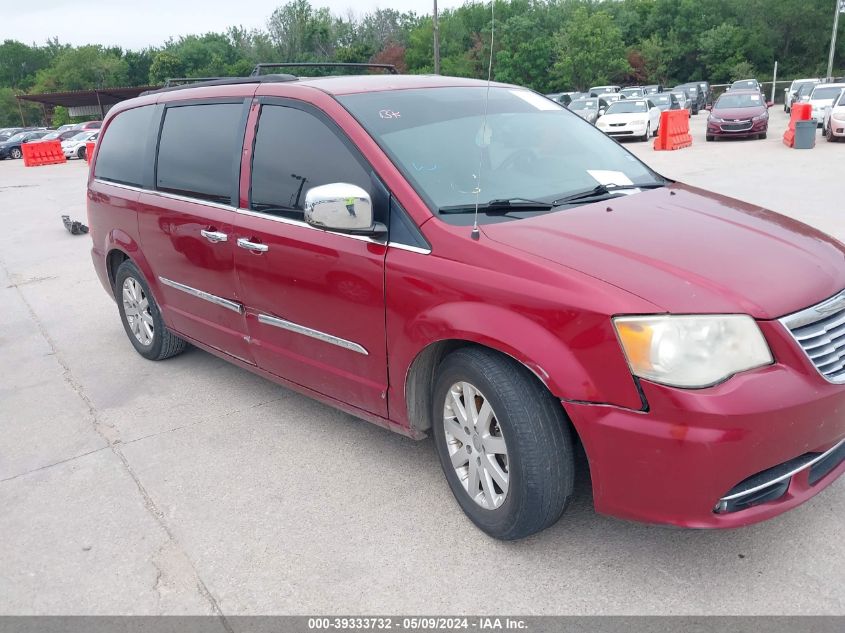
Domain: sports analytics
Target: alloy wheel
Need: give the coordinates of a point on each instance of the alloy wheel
(476, 446)
(15, 153)
(136, 307)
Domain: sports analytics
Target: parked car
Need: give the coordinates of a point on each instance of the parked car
(693, 103)
(632, 92)
(697, 96)
(611, 97)
(822, 97)
(11, 147)
(738, 113)
(564, 98)
(74, 147)
(582, 95)
(305, 231)
(683, 99)
(66, 127)
(804, 92)
(665, 101)
(603, 89)
(589, 109)
(57, 135)
(652, 89)
(88, 125)
(790, 94)
(631, 118)
(834, 119)
(704, 87)
(746, 84)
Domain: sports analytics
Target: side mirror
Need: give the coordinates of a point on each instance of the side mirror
(708, 107)
(340, 206)
(769, 104)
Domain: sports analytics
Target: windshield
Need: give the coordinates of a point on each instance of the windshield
(747, 83)
(18, 137)
(622, 107)
(51, 136)
(529, 148)
(80, 136)
(728, 100)
(680, 95)
(826, 92)
(632, 92)
(584, 104)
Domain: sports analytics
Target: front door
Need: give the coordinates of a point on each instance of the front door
(314, 299)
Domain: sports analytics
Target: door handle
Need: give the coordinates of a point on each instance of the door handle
(255, 247)
(214, 236)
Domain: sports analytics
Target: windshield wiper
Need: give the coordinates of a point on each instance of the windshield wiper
(501, 206)
(602, 191)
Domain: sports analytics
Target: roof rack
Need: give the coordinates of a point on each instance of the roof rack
(221, 81)
(256, 72)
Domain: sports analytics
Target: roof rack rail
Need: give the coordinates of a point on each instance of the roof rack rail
(256, 72)
(180, 81)
(223, 81)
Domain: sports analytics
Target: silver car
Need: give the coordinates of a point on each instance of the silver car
(791, 93)
(823, 97)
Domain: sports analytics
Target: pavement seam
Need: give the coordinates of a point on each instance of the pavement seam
(58, 463)
(109, 434)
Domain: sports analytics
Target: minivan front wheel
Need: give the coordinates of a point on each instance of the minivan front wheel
(503, 443)
(141, 317)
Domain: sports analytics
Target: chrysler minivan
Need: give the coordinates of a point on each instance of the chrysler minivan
(487, 268)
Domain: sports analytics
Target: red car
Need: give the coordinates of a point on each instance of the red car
(738, 113)
(499, 275)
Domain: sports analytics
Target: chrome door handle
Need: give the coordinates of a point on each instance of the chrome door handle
(214, 236)
(252, 246)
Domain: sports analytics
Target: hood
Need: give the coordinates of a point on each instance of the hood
(739, 113)
(624, 117)
(688, 251)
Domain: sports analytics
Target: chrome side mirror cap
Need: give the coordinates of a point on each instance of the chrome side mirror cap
(342, 207)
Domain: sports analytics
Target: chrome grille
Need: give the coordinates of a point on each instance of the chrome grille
(820, 331)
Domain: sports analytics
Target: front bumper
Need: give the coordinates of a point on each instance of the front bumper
(837, 127)
(737, 129)
(677, 462)
(628, 129)
(69, 152)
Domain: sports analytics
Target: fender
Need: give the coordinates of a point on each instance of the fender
(120, 240)
(589, 368)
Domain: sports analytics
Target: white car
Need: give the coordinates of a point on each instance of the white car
(610, 97)
(791, 93)
(822, 97)
(634, 92)
(833, 126)
(633, 118)
(74, 147)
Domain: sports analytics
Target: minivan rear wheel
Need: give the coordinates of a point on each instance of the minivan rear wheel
(503, 443)
(141, 317)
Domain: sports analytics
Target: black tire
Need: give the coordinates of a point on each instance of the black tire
(164, 343)
(828, 134)
(647, 134)
(15, 152)
(540, 459)
(709, 138)
(80, 153)
(762, 136)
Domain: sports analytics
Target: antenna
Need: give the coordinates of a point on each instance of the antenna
(475, 232)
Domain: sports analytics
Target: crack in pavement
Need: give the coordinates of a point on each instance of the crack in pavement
(58, 463)
(112, 437)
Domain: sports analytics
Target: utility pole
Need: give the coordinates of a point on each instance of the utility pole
(774, 81)
(436, 41)
(840, 8)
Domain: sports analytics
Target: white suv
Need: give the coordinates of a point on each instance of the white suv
(823, 97)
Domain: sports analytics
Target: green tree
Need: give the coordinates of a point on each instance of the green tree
(589, 50)
(82, 68)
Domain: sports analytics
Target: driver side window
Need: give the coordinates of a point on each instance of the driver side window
(295, 151)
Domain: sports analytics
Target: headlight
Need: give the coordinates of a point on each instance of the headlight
(640, 122)
(691, 351)
(761, 117)
(714, 119)
(839, 116)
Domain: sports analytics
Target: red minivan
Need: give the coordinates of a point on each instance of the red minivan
(488, 268)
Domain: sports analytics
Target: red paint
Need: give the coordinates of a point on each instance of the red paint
(542, 290)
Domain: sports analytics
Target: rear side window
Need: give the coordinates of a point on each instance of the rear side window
(120, 157)
(199, 150)
(295, 151)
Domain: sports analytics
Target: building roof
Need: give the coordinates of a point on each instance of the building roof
(78, 98)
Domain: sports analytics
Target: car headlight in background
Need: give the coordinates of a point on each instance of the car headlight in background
(761, 117)
(691, 351)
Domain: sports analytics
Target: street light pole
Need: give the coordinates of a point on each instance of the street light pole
(436, 41)
(840, 7)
